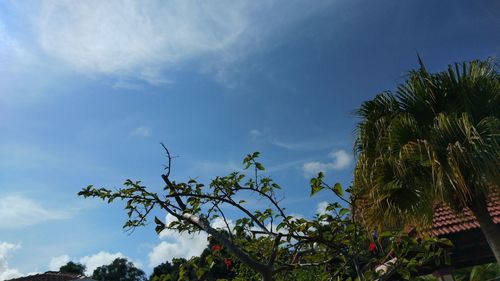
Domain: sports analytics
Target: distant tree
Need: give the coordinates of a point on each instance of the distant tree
(170, 271)
(73, 268)
(160, 270)
(119, 270)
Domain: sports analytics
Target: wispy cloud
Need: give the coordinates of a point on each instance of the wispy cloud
(26, 156)
(266, 135)
(340, 160)
(18, 211)
(123, 37)
(11, 51)
(21, 156)
(143, 39)
(142, 131)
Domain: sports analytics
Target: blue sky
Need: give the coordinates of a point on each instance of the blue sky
(88, 90)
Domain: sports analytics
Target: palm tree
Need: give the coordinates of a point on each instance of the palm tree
(435, 140)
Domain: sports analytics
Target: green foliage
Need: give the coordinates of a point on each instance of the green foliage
(73, 268)
(478, 273)
(119, 270)
(436, 139)
(484, 272)
(268, 243)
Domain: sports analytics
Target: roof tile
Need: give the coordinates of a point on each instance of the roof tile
(446, 221)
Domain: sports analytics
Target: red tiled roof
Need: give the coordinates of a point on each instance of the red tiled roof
(49, 276)
(446, 221)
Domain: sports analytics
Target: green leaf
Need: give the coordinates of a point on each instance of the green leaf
(200, 271)
(315, 188)
(182, 272)
(316, 184)
(337, 188)
(343, 211)
(405, 273)
(259, 166)
(385, 234)
(159, 225)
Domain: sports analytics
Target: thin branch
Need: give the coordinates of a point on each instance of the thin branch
(302, 265)
(340, 197)
(225, 222)
(169, 158)
(270, 198)
(228, 201)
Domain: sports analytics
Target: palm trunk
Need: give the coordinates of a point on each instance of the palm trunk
(490, 230)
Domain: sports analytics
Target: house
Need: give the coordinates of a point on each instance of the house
(53, 276)
(462, 229)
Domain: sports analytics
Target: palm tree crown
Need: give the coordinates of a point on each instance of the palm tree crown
(435, 140)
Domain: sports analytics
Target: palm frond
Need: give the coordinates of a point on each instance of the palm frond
(435, 140)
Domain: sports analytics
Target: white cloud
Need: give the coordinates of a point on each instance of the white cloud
(18, 211)
(143, 39)
(181, 245)
(312, 168)
(321, 208)
(340, 160)
(219, 223)
(185, 246)
(5, 271)
(102, 258)
(142, 131)
(57, 262)
(123, 36)
(255, 133)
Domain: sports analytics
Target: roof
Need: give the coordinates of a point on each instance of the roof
(50, 276)
(446, 221)
(462, 229)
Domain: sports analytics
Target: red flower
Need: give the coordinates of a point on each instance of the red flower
(372, 247)
(228, 263)
(216, 248)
